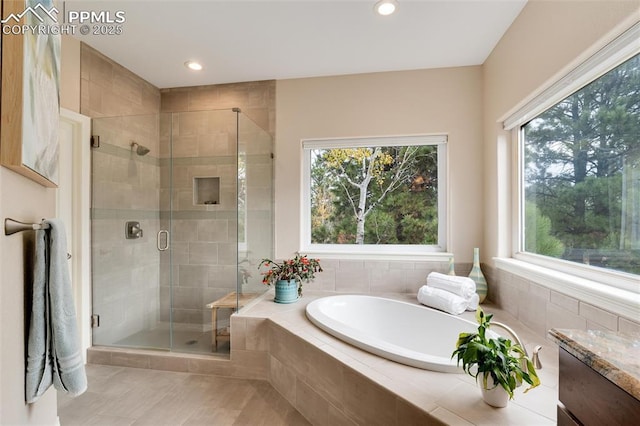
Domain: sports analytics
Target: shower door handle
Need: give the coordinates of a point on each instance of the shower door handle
(166, 240)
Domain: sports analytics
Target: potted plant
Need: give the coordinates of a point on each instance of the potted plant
(501, 365)
(288, 276)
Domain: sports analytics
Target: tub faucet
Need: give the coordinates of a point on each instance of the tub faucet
(535, 359)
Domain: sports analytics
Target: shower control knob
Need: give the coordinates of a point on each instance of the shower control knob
(132, 230)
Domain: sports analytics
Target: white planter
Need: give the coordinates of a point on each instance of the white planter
(494, 395)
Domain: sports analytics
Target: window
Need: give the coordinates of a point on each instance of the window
(242, 201)
(374, 195)
(580, 171)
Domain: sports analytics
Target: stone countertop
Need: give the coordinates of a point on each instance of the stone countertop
(614, 355)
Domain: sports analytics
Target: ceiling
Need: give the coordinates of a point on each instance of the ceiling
(242, 40)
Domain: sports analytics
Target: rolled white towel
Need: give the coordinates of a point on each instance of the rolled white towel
(442, 299)
(462, 286)
(472, 303)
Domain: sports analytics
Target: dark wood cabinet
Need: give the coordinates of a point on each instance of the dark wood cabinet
(588, 398)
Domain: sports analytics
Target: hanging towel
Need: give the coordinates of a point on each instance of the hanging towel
(54, 350)
(462, 286)
(442, 299)
(39, 374)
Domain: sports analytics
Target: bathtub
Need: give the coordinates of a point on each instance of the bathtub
(407, 333)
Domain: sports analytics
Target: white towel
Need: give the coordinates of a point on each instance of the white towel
(462, 286)
(39, 375)
(473, 302)
(54, 350)
(442, 299)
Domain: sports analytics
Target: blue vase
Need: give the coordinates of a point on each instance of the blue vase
(286, 291)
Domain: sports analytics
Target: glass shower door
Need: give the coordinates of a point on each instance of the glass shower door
(125, 220)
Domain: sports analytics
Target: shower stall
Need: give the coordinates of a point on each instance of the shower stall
(182, 214)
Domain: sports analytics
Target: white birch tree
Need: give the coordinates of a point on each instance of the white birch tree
(356, 168)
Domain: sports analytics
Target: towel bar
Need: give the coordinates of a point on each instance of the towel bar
(12, 226)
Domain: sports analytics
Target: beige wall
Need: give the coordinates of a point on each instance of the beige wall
(445, 100)
(22, 199)
(25, 200)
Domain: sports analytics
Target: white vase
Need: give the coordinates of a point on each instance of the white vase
(494, 395)
(452, 268)
(478, 277)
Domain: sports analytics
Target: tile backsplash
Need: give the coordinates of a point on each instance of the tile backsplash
(374, 276)
(542, 308)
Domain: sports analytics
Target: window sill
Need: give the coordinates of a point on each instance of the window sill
(386, 256)
(618, 301)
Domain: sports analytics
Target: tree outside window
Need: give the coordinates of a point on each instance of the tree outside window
(374, 195)
(582, 174)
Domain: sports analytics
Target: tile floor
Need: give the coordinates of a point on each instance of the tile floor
(131, 396)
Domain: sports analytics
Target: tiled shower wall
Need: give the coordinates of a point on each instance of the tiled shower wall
(108, 89)
(204, 132)
(125, 187)
(256, 99)
(203, 236)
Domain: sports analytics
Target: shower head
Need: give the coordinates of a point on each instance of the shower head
(140, 149)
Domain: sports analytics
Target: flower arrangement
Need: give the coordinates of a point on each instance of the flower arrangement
(300, 269)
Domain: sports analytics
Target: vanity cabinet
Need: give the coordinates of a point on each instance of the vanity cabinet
(591, 399)
(599, 381)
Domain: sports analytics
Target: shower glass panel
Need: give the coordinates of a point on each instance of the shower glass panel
(181, 216)
(255, 206)
(203, 226)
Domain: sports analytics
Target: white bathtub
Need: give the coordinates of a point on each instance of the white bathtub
(403, 332)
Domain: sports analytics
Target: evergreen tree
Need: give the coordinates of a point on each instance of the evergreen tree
(578, 156)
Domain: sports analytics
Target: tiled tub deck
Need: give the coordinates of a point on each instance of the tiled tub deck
(332, 383)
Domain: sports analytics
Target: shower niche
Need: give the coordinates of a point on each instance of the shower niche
(206, 191)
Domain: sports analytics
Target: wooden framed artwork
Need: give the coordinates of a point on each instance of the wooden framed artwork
(30, 96)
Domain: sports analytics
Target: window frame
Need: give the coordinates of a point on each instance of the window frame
(604, 60)
(372, 251)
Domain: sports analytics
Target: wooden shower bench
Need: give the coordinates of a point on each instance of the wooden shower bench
(226, 302)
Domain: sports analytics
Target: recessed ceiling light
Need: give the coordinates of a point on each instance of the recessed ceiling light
(193, 65)
(385, 7)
